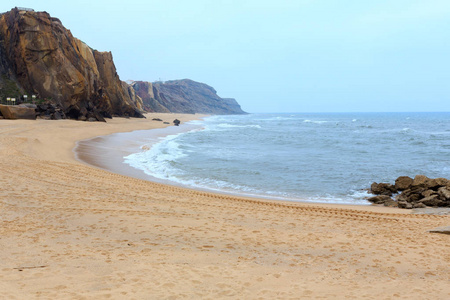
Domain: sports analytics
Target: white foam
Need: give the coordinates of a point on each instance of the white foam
(158, 160)
(227, 125)
(314, 122)
(276, 119)
(200, 161)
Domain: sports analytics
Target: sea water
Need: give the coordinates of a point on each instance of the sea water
(307, 157)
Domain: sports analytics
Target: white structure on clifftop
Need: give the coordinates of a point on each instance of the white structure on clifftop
(24, 8)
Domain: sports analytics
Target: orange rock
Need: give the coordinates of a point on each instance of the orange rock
(47, 60)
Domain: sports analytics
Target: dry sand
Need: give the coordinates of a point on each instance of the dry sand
(71, 231)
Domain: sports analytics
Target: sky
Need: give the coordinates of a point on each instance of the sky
(277, 56)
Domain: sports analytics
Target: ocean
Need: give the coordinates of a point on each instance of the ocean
(320, 157)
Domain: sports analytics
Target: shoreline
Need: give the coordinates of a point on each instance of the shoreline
(70, 230)
(108, 153)
(103, 152)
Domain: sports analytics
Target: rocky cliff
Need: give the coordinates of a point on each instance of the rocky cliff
(39, 56)
(43, 58)
(184, 96)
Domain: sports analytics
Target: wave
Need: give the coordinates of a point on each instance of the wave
(158, 160)
(221, 157)
(315, 122)
(226, 125)
(277, 118)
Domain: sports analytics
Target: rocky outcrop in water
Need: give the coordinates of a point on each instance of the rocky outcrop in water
(420, 192)
(184, 96)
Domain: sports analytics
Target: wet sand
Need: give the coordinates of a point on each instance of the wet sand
(107, 152)
(74, 231)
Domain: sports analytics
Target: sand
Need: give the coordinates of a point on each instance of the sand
(73, 231)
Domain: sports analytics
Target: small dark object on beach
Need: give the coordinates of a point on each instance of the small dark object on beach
(166, 123)
(443, 230)
(157, 119)
(176, 122)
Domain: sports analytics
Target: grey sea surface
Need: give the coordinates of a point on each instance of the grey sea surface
(317, 157)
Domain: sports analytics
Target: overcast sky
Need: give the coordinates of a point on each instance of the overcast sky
(277, 56)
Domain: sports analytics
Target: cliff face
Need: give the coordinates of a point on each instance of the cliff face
(43, 58)
(38, 55)
(146, 91)
(184, 96)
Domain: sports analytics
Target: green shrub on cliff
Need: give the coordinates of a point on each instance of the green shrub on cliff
(8, 88)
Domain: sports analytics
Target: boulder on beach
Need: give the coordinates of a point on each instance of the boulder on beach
(17, 112)
(420, 192)
(382, 199)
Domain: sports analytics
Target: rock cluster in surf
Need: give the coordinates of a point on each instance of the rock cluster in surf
(406, 192)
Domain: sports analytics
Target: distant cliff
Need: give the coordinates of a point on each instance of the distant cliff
(184, 96)
(38, 55)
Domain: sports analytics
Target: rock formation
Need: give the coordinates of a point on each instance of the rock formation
(419, 192)
(184, 96)
(14, 112)
(43, 58)
(39, 56)
(150, 97)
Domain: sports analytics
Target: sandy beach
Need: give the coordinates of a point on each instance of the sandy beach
(73, 231)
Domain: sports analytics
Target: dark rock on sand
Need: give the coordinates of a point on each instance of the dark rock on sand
(17, 112)
(443, 230)
(432, 201)
(420, 192)
(380, 199)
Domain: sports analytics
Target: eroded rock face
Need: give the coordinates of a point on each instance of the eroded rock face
(151, 100)
(48, 61)
(184, 96)
(38, 55)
